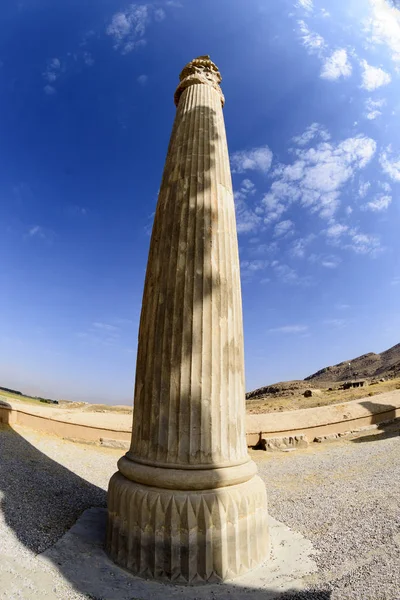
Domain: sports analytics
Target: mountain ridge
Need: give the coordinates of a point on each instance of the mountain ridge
(370, 365)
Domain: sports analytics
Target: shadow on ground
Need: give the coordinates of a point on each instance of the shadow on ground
(389, 428)
(41, 500)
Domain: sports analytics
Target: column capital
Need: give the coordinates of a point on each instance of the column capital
(200, 70)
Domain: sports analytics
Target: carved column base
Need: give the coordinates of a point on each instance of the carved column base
(187, 537)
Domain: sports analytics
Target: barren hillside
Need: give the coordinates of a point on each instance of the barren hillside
(386, 364)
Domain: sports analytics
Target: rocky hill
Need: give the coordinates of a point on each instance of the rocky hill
(386, 364)
(367, 366)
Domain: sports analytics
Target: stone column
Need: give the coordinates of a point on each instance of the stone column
(186, 504)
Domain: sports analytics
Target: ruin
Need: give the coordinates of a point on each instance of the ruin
(186, 504)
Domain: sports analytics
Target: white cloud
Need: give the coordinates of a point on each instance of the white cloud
(247, 220)
(385, 186)
(88, 59)
(363, 243)
(256, 159)
(254, 265)
(272, 202)
(379, 203)
(339, 323)
(283, 228)
(330, 262)
(383, 26)
(142, 79)
(49, 90)
(298, 248)
(363, 189)
(373, 107)
(327, 261)
(289, 329)
(373, 77)
(314, 130)
(336, 230)
(391, 166)
(337, 65)
(395, 281)
(311, 40)
(316, 177)
(51, 75)
(248, 268)
(52, 70)
(104, 326)
(36, 230)
(159, 14)
(306, 4)
(128, 28)
(288, 275)
(248, 185)
(373, 114)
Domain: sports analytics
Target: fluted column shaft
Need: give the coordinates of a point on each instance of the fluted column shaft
(186, 504)
(189, 393)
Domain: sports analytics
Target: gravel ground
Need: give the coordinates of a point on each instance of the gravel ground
(343, 497)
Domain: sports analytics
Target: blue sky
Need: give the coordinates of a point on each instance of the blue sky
(312, 115)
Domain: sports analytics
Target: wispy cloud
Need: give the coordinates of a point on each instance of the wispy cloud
(363, 189)
(52, 71)
(327, 261)
(104, 326)
(395, 280)
(317, 176)
(284, 228)
(51, 74)
(36, 231)
(337, 65)
(247, 220)
(314, 42)
(142, 79)
(40, 233)
(337, 323)
(315, 130)
(255, 159)
(248, 268)
(88, 59)
(373, 77)
(336, 230)
(362, 243)
(128, 28)
(379, 203)
(289, 329)
(299, 246)
(306, 4)
(49, 90)
(390, 164)
(287, 274)
(373, 107)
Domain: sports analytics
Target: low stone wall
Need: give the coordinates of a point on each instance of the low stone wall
(67, 430)
(281, 430)
(325, 421)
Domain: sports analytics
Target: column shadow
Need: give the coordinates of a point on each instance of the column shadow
(389, 428)
(42, 499)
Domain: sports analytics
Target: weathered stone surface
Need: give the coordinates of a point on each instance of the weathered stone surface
(187, 504)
